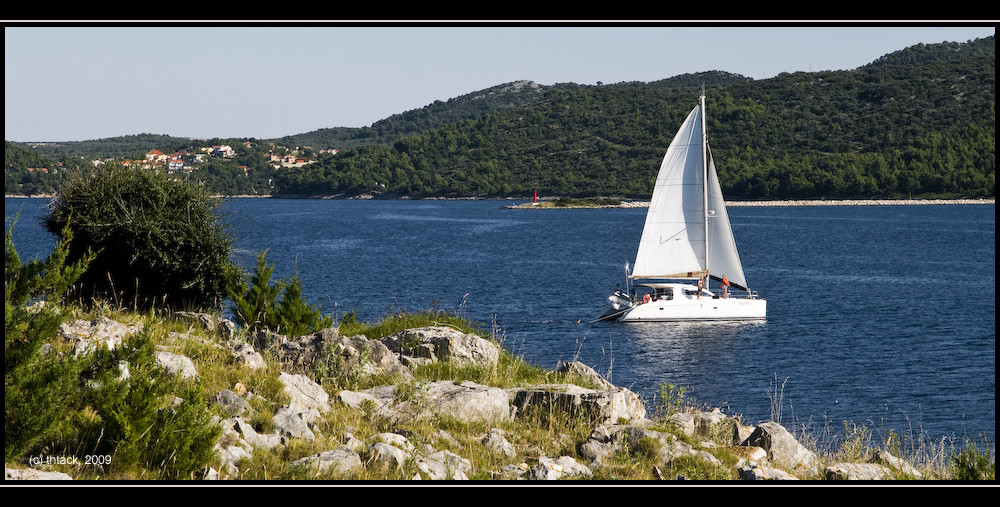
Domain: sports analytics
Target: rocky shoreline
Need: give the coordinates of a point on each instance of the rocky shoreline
(621, 429)
(547, 204)
(860, 202)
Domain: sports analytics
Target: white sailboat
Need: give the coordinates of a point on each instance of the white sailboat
(686, 243)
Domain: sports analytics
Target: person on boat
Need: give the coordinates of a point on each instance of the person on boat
(701, 284)
(725, 287)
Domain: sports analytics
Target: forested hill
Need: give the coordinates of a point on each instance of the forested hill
(435, 115)
(919, 122)
(471, 106)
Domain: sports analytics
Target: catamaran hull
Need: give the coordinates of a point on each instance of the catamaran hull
(697, 309)
(617, 304)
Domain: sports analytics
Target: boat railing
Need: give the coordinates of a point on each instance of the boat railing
(738, 295)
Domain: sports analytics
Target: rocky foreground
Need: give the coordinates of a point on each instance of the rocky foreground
(618, 416)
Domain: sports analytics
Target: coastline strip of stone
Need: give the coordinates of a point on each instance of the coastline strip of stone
(791, 202)
(858, 202)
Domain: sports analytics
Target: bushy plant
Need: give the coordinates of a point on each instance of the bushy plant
(671, 399)
(158, 240)
(254, 302)
(279, 307)
(296, 317)
(138, 424)
(35, 385)
(46, 393)
(971, 464)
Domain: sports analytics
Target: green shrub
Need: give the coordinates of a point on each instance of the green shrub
(36, 385)
(296, 317)
(256, 305)
(970, 464)
(159, 241)
(671, 399)
(139, 426)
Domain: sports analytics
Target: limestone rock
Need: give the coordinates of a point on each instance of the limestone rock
(31, 474)
(706, 423)
(395, 440)
(231, 403)
(231, 456)
(294, 421)
(856, 472)
(496, 441)
(783, 449)
(245, 354)
(884, 458)
(443, 344)
(206, 321)
(264, 441)
(359, 400)
(611, 406)
(762, 473)
(511, 472)
(176, 364)
(576, 368)
(749, 455)
(305, 391)
(101, 332)
(549, 469)
(340, 461)
(355, 354)
(467, 401)
(444, 465)
(683, 421)
(388, 455)
(605, 441)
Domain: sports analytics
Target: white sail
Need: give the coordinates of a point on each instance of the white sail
(673, 238)
(724, 258)
(673, 242)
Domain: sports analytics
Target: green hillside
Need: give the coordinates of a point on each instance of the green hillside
(919, 122)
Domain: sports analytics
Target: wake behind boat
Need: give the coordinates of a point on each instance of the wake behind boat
(686, 242)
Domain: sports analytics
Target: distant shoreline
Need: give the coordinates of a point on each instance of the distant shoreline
(776, 203)
(549, 204)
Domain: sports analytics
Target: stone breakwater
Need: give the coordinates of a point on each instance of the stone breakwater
(778, 203)
(618, 418)
(857, 202)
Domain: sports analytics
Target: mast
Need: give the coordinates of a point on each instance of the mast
(704, 180)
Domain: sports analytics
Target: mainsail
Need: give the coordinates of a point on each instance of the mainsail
(681, 237)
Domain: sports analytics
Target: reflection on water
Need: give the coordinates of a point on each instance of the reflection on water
(704, 333)
(644, 355)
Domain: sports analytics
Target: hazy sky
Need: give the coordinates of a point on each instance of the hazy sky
(74, 83)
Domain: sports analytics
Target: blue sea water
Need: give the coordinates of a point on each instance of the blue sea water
(883, 316)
